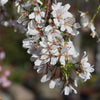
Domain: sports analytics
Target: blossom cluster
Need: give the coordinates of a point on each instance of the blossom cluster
(4, 82)
(50, 29)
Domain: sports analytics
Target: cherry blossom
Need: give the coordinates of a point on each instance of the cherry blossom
(49, 41)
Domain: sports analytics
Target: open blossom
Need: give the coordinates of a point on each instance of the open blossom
(33, 29)
(60, 12)
(38, 14)
(64, 19)
(87, 68)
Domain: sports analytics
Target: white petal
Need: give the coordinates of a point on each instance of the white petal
(46, 77)
(52, 84)
(32, 32)
(75, 82)
(48, 28)
(38, 62)
(54, 60)
(44, 57)
(39, 2)
(3, 2)
(56, 22)
(42, 14)
(77, 25)
(54, 52)
(66, 90)
(38, 18)
(18, 9)
(62, 28)
(43, 51)
(73, 89)
(35, 55)
(69, 29)
(32, 16)
(67, 6)
(26, 43)
(43, 44)
(62, 60)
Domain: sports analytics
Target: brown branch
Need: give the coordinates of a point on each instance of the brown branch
(48, 8)
(0, 97)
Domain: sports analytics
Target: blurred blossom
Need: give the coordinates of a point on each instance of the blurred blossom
(88, 23)
(2, 55)
(12, 22)
(4, 82)
(7, 73)
(3, 2)
(3, 13)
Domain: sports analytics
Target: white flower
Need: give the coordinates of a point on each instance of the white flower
(69, 89)
(87, 68)
(46, 77)
(93, 29)
(49, 52)
(67, 24)
(3, 2)
(69, 50)
(53, 34)
(34, 30)
(60, 13)
(38, 14)
(32, 47)
(52, 84)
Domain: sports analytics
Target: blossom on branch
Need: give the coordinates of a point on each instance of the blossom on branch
(49, 40)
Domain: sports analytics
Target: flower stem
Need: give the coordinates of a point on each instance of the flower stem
(48, 7)
(98, 9)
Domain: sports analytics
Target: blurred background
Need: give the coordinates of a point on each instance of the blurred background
(25, 82)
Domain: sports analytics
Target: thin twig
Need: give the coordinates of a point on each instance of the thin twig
(94, 16)
(48, 7)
